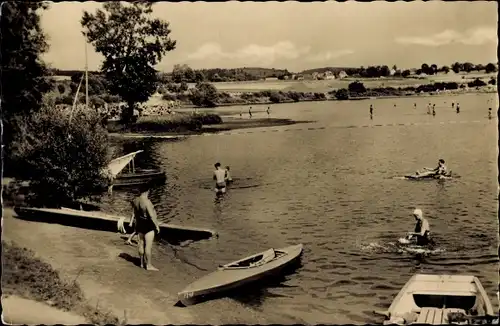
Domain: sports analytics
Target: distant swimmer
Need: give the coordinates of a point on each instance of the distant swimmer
(458, 108)
(268, 111)
(441, 169)
(227, 176)
(250, 112)
(452, 105)
(146, 223)
(489, 114)
(241, 113)
(434, 109)
(414, 105)
(371, 109)
(422, 229)
(429, 108)
(219, 177)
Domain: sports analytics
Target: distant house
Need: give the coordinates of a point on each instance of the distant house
(329, 75)
(342, 74)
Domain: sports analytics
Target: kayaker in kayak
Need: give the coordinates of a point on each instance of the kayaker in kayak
(219, 177)
(422, 229)
(146, 223)
(227, 176)
(441, 169)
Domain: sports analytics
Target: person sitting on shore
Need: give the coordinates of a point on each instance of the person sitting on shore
(421, 234)
(146, 223)
(228, 177)
(441, 169)
(219, 177)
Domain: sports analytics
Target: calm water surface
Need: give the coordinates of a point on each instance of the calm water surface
(333, 190)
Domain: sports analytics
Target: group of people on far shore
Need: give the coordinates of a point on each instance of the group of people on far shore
(250, 115)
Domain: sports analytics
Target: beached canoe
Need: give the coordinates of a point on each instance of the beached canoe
(139, 176)
(97, 220)
(440, 299)
(241, 272)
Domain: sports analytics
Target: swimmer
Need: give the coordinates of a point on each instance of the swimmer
(414, 105)
(422, 229)
(434, 109)
(489, 114)
(268, 111)
(250, 112)
(458, 108)
(227, 176)
(219, 177)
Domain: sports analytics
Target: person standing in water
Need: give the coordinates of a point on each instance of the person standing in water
(227, 176)
(268, 111)
(422, 229)
(414, 105)
(371, 111)
(250, 112)
(489, 114)
(241, 113)
(429, 108)
(458, 108)
(219, 177)
(452, 105)
(146, 223)
(434, 109)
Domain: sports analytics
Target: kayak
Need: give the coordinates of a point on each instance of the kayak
(239, 273)
(428, 177)
(440, 299)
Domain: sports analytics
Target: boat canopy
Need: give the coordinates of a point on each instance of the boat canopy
(118, 164)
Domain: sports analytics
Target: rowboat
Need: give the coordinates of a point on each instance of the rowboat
(440, 299)
(242, 272)
(133, 176)
(97, 220)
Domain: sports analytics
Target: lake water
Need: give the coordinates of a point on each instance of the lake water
(329, 185)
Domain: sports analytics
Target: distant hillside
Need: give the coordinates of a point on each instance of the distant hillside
(321, 70)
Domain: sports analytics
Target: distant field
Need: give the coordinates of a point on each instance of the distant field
(327, 85)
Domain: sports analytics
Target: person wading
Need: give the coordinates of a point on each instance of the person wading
(146, 223)
(422, 229)
(219, 177)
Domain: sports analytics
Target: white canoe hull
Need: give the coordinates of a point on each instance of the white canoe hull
(432, 299)
(227, 278)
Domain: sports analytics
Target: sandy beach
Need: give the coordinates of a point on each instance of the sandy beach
(115, 284)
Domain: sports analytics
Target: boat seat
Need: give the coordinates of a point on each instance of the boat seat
(436, 316)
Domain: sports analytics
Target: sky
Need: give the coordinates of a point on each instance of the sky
(298, 36)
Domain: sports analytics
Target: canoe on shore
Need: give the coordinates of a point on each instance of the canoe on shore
(242, 272)
(440, 299)
(97, 220)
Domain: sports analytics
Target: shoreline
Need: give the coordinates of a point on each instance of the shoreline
(103, 267)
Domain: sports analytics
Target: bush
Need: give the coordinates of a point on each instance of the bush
(476, 83)
(208, 118)
(492, 81)
(64, 162)
(176, 123)
(357, 87)
(204, 95)
(277, 97)
(61, 88)
(342, 94)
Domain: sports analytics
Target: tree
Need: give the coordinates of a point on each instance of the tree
(425, 68)
(24, 76)
(490, 67)
(492, 81)
(468, 67)
(406, 73)
(385, 71)
(445, 69)
(456, 67)
(342, 94)
(204, 95)
(433, 69)
(199, 76)
(61, 88)
(132, 43)
(356, 87)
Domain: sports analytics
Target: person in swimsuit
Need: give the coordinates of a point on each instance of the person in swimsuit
(228, 177)
(441, 169)
(219, 177)
(434, 109)
(146, 223)
(458, 108)
(268, 111)
(489, 114)
(250, 112)
(422, 229)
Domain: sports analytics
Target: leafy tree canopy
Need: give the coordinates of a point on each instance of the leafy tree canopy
(132, 43)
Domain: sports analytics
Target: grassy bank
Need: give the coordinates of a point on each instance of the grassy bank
(26, 276)
(172, 123)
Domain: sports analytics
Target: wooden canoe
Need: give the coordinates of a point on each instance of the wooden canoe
(97, 220)
(138, 177)
(241, 272)
(440, 299)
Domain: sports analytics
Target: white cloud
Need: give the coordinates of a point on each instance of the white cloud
(262, 54)
(250, 54)
(329, 55)
(477, 36)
